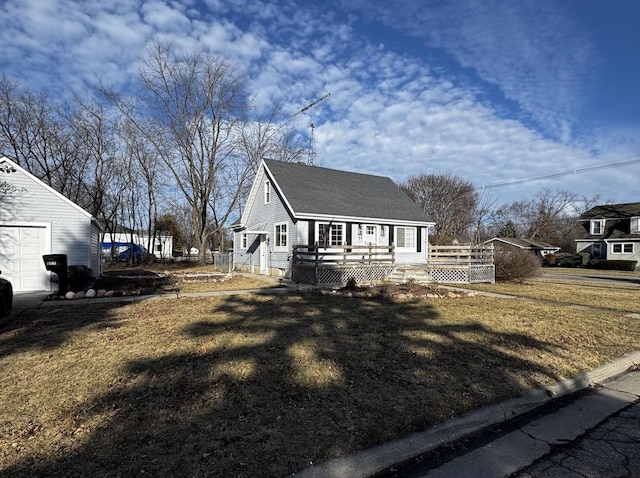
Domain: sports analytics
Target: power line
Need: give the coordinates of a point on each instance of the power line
(562, 173)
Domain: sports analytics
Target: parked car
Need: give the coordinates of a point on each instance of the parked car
(6, 296)
(138, 252)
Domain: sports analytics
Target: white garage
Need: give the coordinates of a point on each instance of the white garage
(36, 220)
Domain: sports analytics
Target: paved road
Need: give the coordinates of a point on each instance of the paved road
(612, 449)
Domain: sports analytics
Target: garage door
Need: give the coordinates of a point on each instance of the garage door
(21, 250)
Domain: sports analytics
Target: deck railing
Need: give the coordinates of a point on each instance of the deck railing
(461, 254)
(343, 255)
(465, 264)
(337, 264)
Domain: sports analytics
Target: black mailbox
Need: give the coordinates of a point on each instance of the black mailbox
(58, 263)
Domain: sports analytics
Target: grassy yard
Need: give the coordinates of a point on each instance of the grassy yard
(619, 298)
(268, 385)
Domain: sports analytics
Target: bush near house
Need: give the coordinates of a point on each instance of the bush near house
(612, 265)
(515, 265)
(568, 259)
(79, 277)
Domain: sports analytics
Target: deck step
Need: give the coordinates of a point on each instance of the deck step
(403, 273)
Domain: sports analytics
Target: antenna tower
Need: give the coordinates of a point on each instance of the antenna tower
(311, 156)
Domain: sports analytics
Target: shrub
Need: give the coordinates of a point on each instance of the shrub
(613, 265)
(515, 265)
(79, 277)
(567, 259)
(550, 260)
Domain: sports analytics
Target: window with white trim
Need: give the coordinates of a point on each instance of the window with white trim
(281, 236)
(330, 234)
(244, 240)
(635, 225)
(267, 192)
(406, 238)
(622, 248)
(597, 227)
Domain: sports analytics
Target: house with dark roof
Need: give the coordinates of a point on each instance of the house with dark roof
(296, 213)
(611, 231)
(539, 249)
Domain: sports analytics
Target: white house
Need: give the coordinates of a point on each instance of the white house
(121, 239)
(340, 220)
(36, 220)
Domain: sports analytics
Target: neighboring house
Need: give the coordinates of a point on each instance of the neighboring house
(611, 231)
(121, 238)
(540, 249)
(36, 220)
(294, 205)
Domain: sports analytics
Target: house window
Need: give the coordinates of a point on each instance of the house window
(267, 192)
(244, 238)
(330, 234)
(597, 227)
(281, 236)
(406, 238)
(596, 250)
(371, 233)
(622, 248)
(635, 225)
(159, 248)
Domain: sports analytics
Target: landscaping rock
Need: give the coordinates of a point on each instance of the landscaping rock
(80, 295)
(108, 293)
(101, 293)
(70, 295)
(91, 293)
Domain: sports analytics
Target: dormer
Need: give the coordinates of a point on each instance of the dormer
(596, 227)
(635, 225)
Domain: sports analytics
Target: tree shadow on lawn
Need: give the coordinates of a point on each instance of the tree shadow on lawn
(274, 385)
(47, 328)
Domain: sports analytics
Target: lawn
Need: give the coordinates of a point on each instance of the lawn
(251, 385)
(619, 298)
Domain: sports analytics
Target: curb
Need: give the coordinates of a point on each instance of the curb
(374, 460)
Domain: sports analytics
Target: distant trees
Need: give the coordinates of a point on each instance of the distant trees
(462, 213)
(448, 200)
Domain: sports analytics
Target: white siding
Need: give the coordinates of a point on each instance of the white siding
(25, 200)
(259, 215)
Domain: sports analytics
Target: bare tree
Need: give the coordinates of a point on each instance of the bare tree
(448, 200)
(550, 217)
(190, 108)
(485, 208)
(35, 133)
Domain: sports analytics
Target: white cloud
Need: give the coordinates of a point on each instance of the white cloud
(389, 113)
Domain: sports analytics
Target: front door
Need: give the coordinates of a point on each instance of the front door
(264, 255)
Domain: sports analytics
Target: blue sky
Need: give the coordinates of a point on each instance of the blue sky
(494, 91)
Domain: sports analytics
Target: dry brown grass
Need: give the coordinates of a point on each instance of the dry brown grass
(619, 298)
(267, 385)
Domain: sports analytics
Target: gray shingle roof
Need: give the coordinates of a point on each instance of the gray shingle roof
(613, 211)
(618, 221)
(321, 191)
